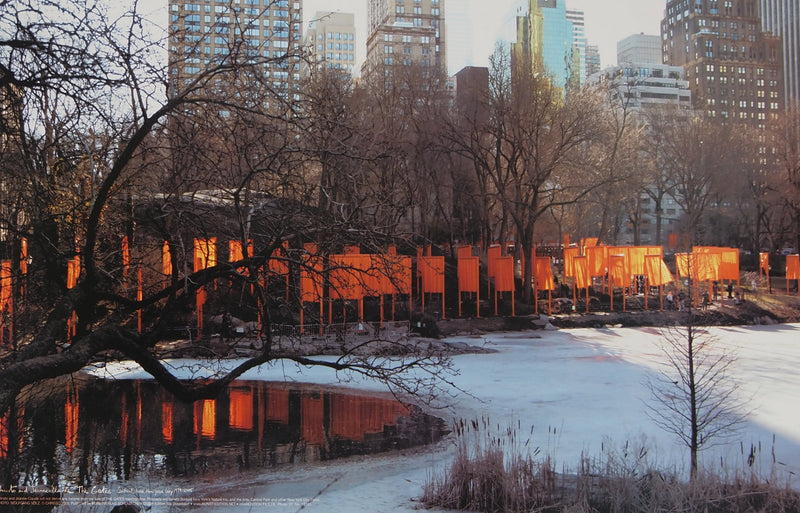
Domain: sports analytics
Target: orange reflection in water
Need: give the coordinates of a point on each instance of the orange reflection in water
(166, 422)
(259, 410)
(312, 417)
(262, 410)
(71, 408)
(278, 405)
(240, 410)
(139, 415)
(123, 427)
(205, 414)
(4, 435)
(353, 416)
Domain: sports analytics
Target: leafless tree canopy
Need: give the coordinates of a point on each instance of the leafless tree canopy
(533, 150)
(98, 147)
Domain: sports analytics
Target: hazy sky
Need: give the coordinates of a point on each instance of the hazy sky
(607, 21)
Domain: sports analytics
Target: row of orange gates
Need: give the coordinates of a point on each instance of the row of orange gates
(354, 276)
(620, 266)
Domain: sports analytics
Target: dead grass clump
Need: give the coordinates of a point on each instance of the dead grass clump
(495, 471)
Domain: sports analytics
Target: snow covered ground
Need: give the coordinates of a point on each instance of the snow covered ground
(581, 391)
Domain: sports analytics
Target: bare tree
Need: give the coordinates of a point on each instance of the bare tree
(698, 158)
(105, 154)
(785, 139)
(695, 397)
(619, 152)
(658, 185)
(747, 201)
(406, 189)
(534, 152)
(335, 138)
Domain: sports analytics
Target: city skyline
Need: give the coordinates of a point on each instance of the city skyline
(606, 23)
(482, 22)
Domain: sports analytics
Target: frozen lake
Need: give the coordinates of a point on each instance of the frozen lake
(580, 390)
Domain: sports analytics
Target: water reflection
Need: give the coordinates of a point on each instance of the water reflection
(93, 431)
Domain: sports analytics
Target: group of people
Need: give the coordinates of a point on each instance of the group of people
(677, 301)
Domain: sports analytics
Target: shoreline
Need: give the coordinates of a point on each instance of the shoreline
(756, 309)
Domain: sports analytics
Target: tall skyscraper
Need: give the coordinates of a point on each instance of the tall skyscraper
(208, 32)
(405, 33)
(646, 85)
(641, 80)
(578, 40)
(734, 68)
(527, 51)
(782, 18)
(639, 48)
(472, 94)
(331, 40)
(593, 64)
(546, 42)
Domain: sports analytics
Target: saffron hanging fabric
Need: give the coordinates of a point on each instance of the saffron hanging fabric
(793, 267)
(569, 255)
(468, 277)
(311, 275)
(656, 271)
(345, 283)
(598, 260)
(504, 274)
(543, 271)
(581, 267)
(494, 252)
(432, 269)
(763, 259)
(618, 270)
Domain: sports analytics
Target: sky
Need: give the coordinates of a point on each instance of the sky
(607, 21)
